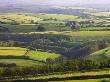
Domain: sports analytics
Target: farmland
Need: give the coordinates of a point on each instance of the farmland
(28, 22)
(71, 76)
(24, 18)
(34, 56)
(54, 43)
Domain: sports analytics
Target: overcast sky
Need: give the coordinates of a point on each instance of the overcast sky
(71, 1)
(92, 1)
(60, 2)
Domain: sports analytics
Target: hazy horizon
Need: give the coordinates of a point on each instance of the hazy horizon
(57, 2)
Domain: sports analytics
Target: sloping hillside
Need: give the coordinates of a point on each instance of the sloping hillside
(101, 54)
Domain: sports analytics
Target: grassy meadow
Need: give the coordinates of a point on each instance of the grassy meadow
(60, 39)
(24, 18)
(28, 22)
(35, 57)
(77, 33)
(71, 77)
(101, 54)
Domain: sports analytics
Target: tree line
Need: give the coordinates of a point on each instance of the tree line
(68, 66)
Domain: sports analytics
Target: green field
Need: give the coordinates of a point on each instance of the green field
(101, 54)
(42, 56)
(36, 46)
(35, 56)
(56, 16)
(27, 28)
(15, 51)
(20, 18)
(106, 14)
(21, 62)
(28, 22)
(77, 33)
(20, 28)
(89, 33)
(89, 80)
(54, 24)
(26, 18)
(62, 77)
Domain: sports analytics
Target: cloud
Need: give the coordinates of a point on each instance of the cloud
(73, 1)
(59, 2)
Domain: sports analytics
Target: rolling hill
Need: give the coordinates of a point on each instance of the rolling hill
(100, 55)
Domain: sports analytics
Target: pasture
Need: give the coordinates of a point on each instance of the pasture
(101, 54)
(28, 22)
(100, 76)
(35, 57)
(26, 18)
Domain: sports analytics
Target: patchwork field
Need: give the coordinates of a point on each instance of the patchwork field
(20, 18)
(35, 57)
(73, 77)
(58, 42)
(28, 22)
(26, 18)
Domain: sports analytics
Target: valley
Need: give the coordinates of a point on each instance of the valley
(46, 42)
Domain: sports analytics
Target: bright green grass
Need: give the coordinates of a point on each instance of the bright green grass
(57, 16)
(106, 14)
(46, 32)
(20, 18)
(92, 73)
(89, 33)
(89, 80)
(17, 51)
(42, 56)
(20, 62)
(35, 56)
(78, 33)
(101, 54)
(12, 51)
(27, 18)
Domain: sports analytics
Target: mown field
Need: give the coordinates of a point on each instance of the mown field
(35, 57)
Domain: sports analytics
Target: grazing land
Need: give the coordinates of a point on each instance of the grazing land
(45, 42)
(15, 54)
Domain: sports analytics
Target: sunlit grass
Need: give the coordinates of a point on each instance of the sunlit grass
(42, 56)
